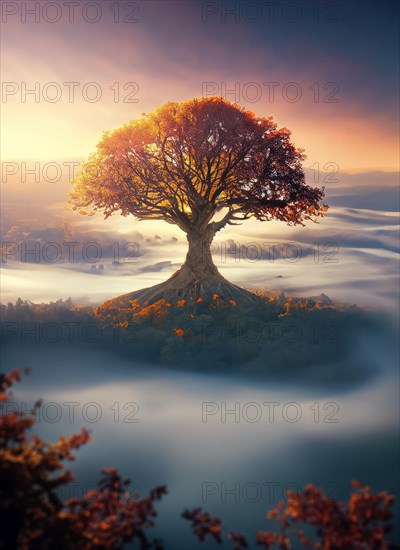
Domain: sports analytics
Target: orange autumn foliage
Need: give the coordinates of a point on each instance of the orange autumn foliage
(172, 162)
(157, 311)
(360, 524)
(135, 304)
(357, 524)
(33, 515)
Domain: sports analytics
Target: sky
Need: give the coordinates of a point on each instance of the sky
(326, 70)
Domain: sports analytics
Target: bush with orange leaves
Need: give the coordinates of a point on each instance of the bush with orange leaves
(158, 311)
(203, 524)
(360, 524)
(33, 515)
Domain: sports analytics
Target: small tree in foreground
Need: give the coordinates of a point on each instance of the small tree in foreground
(360, 524)
(201, 165)
(31, 474)
(34, 517)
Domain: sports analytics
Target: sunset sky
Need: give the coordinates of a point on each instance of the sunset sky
(175, 47)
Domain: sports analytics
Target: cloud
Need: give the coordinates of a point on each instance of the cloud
(155, 268)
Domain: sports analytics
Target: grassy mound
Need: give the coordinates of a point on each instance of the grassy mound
(308, 340)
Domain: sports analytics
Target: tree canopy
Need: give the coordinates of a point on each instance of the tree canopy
(186, 162)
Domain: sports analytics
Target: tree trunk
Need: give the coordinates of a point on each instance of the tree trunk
(197, 278)
(199, 263)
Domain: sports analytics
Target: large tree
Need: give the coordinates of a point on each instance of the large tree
(200, 164)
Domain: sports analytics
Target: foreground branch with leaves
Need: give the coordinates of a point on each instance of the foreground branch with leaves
(31, 472)
(32, 512)
(359, 524)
